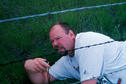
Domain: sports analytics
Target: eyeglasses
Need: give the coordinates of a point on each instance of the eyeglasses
(57, 38)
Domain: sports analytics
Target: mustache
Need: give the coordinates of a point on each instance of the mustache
(65, 52)
(57, 47)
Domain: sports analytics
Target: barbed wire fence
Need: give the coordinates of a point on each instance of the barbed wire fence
(63, 11)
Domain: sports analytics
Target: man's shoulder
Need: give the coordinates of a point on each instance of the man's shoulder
(90, 33)
(89, 38)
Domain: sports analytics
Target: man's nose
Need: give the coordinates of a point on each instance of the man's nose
(55, 43)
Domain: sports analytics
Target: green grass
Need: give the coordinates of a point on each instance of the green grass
(29, 37)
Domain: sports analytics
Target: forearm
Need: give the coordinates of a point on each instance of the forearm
(37, 71)
(93, 81)
(38, 78)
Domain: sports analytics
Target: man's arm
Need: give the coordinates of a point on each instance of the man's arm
(40, 78)
(93, 81)
(37, 71)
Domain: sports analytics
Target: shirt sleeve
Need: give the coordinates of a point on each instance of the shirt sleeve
(58, 70)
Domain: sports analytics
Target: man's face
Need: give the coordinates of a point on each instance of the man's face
(60, 40)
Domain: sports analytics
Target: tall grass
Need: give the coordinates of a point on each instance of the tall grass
(29, 37)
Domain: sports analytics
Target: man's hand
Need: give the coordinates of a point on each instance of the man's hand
(38, 71)
(36, 65)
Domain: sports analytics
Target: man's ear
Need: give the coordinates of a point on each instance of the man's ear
(71, 33)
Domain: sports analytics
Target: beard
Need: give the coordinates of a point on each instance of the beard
(67, 52)
(63, 53)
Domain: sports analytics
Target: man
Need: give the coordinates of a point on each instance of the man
(90, 57)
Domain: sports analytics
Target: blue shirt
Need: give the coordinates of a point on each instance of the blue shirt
(89, 63)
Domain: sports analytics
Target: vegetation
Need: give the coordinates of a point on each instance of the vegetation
(29, 37)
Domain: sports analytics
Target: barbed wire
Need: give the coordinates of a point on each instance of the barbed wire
(63, 11)
(66, 52)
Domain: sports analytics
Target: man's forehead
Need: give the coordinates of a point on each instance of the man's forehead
(56, 27)
(56, 31)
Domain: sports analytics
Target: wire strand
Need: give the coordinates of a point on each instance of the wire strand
(58, 12)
